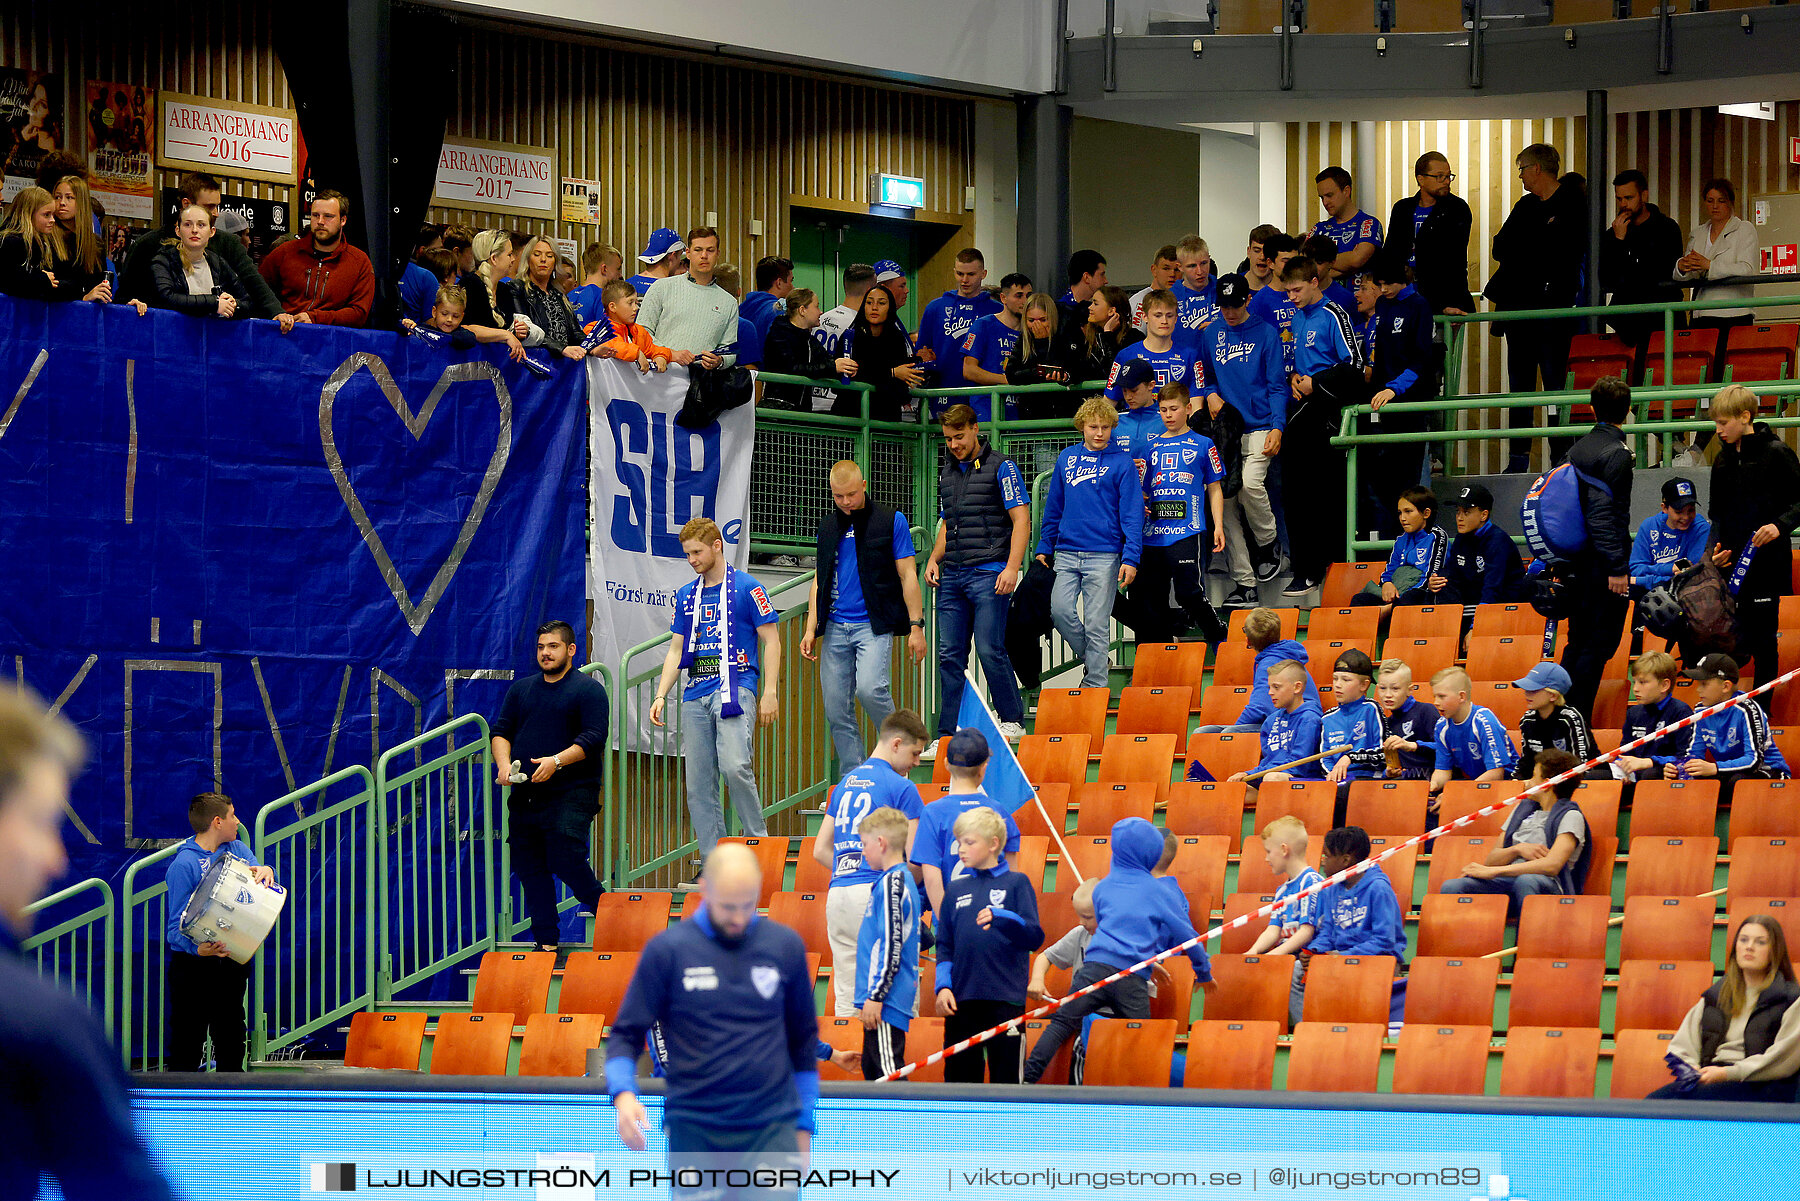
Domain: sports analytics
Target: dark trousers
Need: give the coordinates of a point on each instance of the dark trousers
(710, 1163)
(548, 837)
(1028, 624)
(1000, 1056)
(1128, 998)
(1312, 473)
(884, 1051)
(1758, 603)
(1595, 626)
(968, 606)
(1182, 564)
(1780, 1091)
(206, 996)
(1535, 350)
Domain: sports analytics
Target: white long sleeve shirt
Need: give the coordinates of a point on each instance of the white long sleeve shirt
(1733, 252)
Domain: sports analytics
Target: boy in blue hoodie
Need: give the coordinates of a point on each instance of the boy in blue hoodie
(1290, 733)
(947, 320)
(1360, 915)
(1678, 532)
(986, 934)
(1136, 918)
(887, 946)
(1418, 554)
(1094, 526)
(1733, 744)
(1483, 565)
(1262, 632)
(1138, 420)
(1243, 362)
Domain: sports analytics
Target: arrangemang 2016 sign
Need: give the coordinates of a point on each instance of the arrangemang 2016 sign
(224, 137)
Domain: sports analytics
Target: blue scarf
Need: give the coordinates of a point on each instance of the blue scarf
(729, 674)
(1743, 567)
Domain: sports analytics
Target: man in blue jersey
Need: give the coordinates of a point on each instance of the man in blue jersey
(724, 637)
(990, 340)
(732, 997)
(774, 280)
(1270, 300)
(1328, 375)
(1733, 744)
(934, 843)
(1182, 484)
(880, 782)
(1471, 743)
(1241, 358)
(1087, 275)
(663, 257)
(1357, 234)
(1195, 292)
(1169, 362)
(947, 320)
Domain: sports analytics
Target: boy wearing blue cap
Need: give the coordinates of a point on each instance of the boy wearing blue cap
(662, 258)
(1550, 722)
(934, 847)
(1135, 918)
(1733, 744)
(1679, 531)
(1139, 422)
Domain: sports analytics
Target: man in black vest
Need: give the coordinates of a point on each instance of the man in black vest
(974, 565)
(871, 594)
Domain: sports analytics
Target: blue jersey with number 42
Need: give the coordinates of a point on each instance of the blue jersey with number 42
(865, 789)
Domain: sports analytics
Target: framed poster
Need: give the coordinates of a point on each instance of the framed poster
(245, 141)
(121, 141)
(496, 177)
(31, 124)
(581, 200)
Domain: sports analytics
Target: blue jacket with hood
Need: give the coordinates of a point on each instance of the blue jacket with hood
(1259, 708)
(1360, 918)
(1137, 917)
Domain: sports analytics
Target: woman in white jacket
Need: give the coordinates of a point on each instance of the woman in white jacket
(1723, 245)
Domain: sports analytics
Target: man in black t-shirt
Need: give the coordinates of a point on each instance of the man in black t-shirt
(556, 726)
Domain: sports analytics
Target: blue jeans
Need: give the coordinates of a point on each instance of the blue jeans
(716, 746)
(1227, 729)
(853, 666)
(1514, 888)
(1093, 580)
(967, 604)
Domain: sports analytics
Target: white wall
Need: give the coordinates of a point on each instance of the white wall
(1129, 194)
(997, 44)
(1229, 192)
(997, 185)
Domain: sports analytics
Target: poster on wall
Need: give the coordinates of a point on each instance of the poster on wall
(224, 137)
(269, 219)
(570, 249)
(31, 124)
(581, 200)
(121, 146)
(496, 178)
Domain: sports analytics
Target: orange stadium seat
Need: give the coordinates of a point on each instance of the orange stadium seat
(1348, 988)
(1322, 654)
(1639, 1063)
(1452, 991)
(771, 853)
(1667, 928)
(1056, 914)
(1129, 1053)
(804, 914)
(1199, 868)
(1401, 868)
(1764, 867)
(1434, 622)
(690, 904)
(1424, 656)
(809, 874)
(1206, 808)
(1169, 665)
(515, 982)
(1554, 927)
(940, 762)
(1786, 910)
(1463, 797)
(557, 1044)
(1599, 801)
(1238, 940)
(1055, 800)
(1543, 1061)
(1309, 800)
(1092, 857)
(1502, 658)
(841, 1034)
(1672, 867)
(1674, 808)
(1335, 1058)
(1031, 858)
(1356, 625)
(1656, 994)
(1234, 666)
(1513, 619)
(1290, 624)
(1139, 758)
(1224, 755)
(1172, 991)
(1251, 988)
(1693, 352)
(923, 1036)
(626, 921)
(1098, 806)
(1761, 352)
(1451, 853)
(1599, 881)
(1387, 805)
(472, 1044)
(1059, 1067)
(1507, 702)
(594, 981)
(1231, 1055)
(1461, 924)
(1344, 580)
(1610, 705)
(1448, 1060)
(1223, 703)
(1593, 357)
(1555, 992)
(1765, 809)
(1073, 711)
(1055, 758)
(385, 1040)
(1155, 709)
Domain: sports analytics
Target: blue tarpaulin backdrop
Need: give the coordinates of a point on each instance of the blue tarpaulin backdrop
(194, 513)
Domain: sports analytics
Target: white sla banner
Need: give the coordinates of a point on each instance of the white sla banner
(650, 476)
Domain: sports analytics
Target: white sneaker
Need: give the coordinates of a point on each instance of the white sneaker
(929, 754)
(1012, 731)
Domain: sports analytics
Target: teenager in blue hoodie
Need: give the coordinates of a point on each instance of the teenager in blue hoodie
(1655, 705)
(1733, 744)
(947, 320)
(1137, 917)
(1242, 361)
(1262, 632)
(1679, 531)
(1355, 722)
(1360, 915)
(1290, 733)
(1094, 526)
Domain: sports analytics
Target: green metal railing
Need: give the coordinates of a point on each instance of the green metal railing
(435, 835)
(67, 950)
(318, 963)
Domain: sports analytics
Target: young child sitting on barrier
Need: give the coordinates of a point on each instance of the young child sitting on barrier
(1292, 927)
(629, 342)
(1546, 845)
(1069, 951)
(1292, 731)
(205, 985)
(447, 319)
(1654, 705)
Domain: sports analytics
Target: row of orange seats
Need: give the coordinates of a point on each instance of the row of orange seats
(1700, 356)
(475, 1044)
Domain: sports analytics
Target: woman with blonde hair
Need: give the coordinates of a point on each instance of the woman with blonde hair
(192, 278)
(532, 294)
(29, 240)
(495, 260)
(81, 270)
(1741, 1040)
(1044, 354)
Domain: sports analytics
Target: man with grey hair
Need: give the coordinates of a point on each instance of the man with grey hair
(1540, 249)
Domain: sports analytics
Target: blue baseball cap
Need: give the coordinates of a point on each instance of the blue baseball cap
(888, 269)
(1137, 373)
(968, 748)
(661, 243)
(1678, 493)
(1545, 675)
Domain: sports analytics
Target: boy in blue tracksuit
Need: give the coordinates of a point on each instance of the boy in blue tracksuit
(1733, 744)
(887, 945)
(1243, 362)
(1270, 301)
(1262, 633)
(1139, 423)
(1356, 722)
(1328, 375)
(1411, 724)
(1136, 918)
(1094, 526)
(1292, 731)
(1418, 554)
(947, 320)
(1471, 742)
(1655, 706)
(986, 934)
(1678, 532)
(1483, 565)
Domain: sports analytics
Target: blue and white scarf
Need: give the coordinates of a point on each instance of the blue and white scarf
(729, 672)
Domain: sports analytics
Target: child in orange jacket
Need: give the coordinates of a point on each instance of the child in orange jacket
(630, 342)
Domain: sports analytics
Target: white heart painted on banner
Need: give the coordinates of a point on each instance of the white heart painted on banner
(415, 422)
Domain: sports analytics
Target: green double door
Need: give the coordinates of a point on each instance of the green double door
(823, 243)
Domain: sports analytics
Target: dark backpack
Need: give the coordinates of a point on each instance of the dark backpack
(1706, 601)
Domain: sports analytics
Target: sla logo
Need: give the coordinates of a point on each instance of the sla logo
(334, 1178)
(1499, 1189)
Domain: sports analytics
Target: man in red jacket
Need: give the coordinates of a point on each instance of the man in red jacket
(320, 278)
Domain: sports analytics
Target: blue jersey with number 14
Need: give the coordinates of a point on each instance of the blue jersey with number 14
(863, 790)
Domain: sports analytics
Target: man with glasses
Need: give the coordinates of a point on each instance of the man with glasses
(1429, 232)
(556, 724)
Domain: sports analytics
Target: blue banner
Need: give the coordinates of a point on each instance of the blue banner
(242, 560)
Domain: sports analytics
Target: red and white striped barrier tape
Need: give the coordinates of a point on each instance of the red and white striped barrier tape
(1268, 910)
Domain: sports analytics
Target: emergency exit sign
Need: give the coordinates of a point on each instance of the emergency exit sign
(1794, 150)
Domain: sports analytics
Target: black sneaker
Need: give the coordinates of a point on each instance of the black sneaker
(1242, 598)
(1266, 568)
(1299, 586)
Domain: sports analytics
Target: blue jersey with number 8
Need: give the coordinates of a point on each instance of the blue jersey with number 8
(868, 787)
